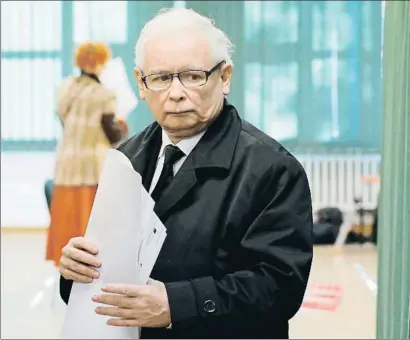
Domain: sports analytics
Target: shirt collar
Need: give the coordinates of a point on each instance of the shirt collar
(186, 145)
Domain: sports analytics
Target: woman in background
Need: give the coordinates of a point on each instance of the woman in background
(90, 128)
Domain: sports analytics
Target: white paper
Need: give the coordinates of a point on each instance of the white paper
(114, 77)
(129, 237)
(153, 238)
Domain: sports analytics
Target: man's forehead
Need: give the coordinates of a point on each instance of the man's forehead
(172, 55)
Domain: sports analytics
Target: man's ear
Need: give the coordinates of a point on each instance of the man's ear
(226, 75)
(140, 83)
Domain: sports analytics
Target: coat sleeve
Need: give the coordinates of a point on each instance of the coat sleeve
(278, 250)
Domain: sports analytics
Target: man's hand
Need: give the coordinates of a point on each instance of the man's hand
(79, 261)
(135, 306)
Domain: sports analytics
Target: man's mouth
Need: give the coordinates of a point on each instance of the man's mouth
(178, 112)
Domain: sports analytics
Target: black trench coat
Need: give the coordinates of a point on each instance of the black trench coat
(238, 214)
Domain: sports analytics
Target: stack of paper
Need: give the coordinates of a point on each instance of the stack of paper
(129, 237)
(114, 77)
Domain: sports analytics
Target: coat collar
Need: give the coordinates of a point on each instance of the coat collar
(186, 145)
(90, 75)
(217, 146)
(215, 150)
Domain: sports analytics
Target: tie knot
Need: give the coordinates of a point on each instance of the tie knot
(172, 154)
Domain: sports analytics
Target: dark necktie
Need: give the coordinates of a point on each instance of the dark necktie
(172, 155)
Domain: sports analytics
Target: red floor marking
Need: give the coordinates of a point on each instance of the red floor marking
(331, 307)
(323, 297)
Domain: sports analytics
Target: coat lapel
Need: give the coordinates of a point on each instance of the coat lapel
(182, 183)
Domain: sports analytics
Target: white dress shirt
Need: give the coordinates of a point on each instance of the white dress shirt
(185, 145)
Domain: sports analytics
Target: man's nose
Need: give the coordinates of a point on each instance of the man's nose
(176, 90)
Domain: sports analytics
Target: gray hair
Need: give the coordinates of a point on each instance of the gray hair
(171, 19)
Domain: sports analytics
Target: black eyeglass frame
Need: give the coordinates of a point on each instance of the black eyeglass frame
(177, 74)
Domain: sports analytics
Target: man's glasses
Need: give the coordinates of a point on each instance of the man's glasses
(192, 78)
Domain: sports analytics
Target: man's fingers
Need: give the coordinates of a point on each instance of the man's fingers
(81, 256)
(115, 300)
(124, 322)
(79, 268)
(115, 312)
(70, 275)
(80, 243)
(125, 289)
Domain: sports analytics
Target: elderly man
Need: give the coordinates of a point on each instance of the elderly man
(236, 204)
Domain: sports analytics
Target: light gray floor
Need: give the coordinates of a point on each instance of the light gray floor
(31, 308)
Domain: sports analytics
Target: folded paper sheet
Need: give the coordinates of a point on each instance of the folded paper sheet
(129, 237)
(114, 76)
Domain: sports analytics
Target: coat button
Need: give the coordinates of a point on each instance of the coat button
(209, 306)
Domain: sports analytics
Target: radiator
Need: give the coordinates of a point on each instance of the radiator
(336, 180)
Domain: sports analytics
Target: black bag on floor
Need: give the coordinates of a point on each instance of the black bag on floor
(331, 216)
(327, 226)
(324, 233)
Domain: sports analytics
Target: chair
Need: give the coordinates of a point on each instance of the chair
(48, 191)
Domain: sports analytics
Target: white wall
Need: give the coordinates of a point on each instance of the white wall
(23, 174)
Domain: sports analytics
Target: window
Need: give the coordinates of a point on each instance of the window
(332, 26)
(31, 70)
(312, 71)
(331, 80)
(271, 70)
(100, 20)
(28, 26)
(28, 100)
(272, 92)
(271, 16)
